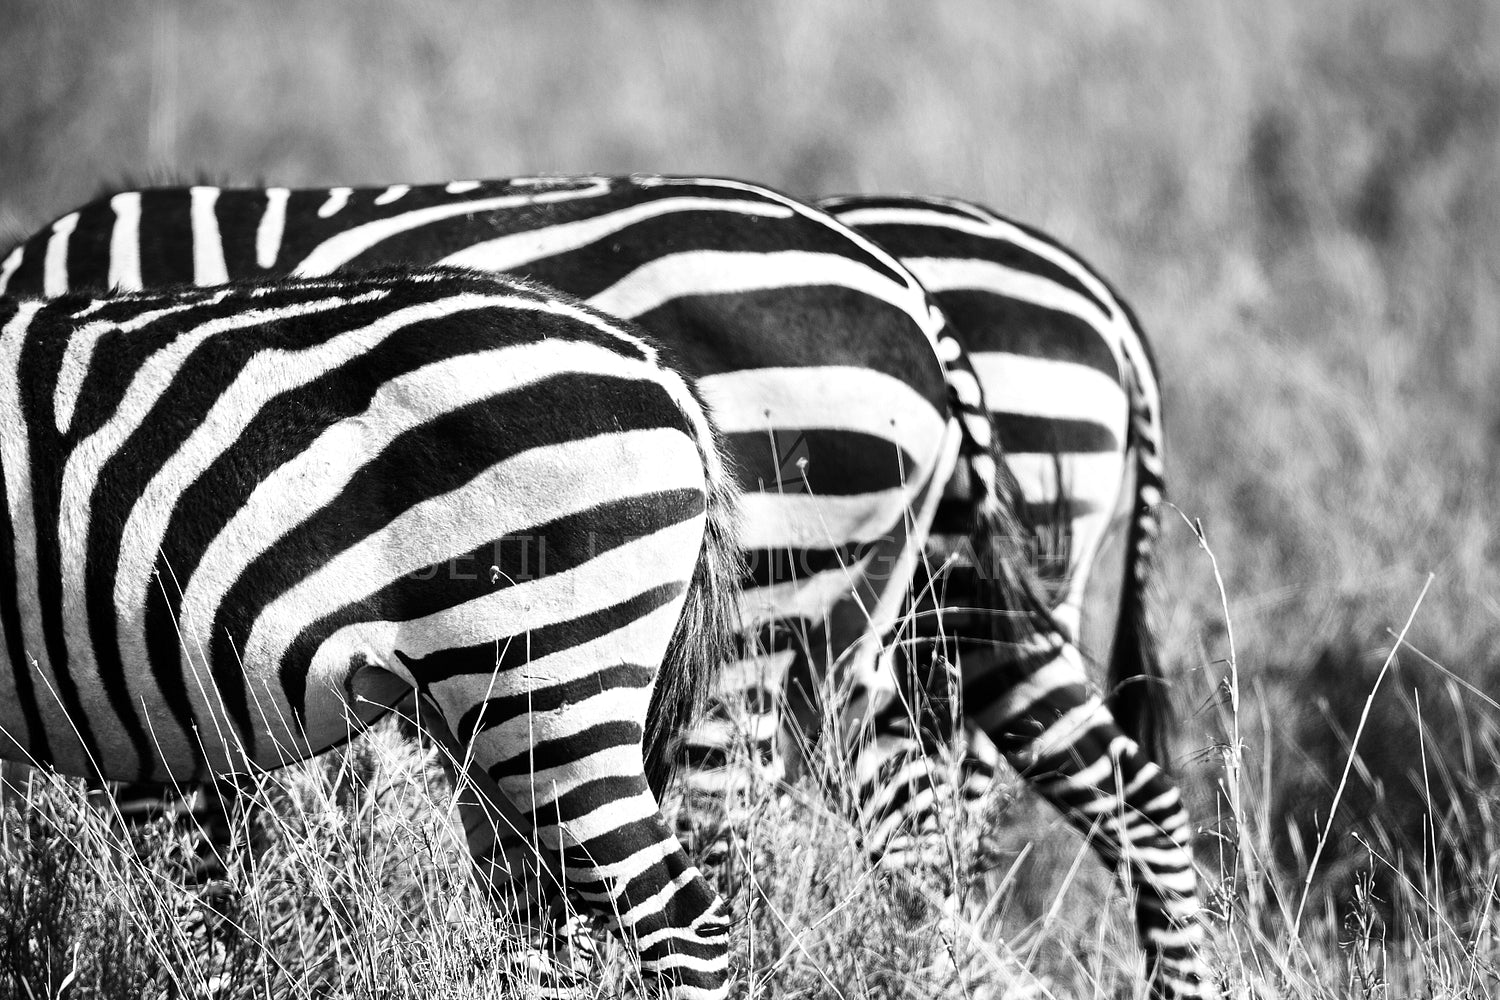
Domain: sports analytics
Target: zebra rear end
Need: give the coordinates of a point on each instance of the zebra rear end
(243, 522)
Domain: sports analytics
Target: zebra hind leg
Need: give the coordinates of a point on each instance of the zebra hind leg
(553, 955)
(597, 838)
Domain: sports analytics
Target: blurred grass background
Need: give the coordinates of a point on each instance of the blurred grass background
(1301, 201)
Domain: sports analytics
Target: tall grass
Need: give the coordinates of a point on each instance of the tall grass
(1303, 203)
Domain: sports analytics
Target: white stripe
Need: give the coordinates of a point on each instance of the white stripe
(12, 261)
(828, 397)
(719, 272)
(586, 761)
(506, 253)
(810, 597)
(1156, 859)
(1062, 671)
(765, 671)
(538, 792)
(272, 224)
(461, 187)
(345, 246)
(744, 727)
(125, 242)
(393, 193)
(1066, 730)
(55, 265)
(79, 354)
(627, 868)
(987, 226)
(655, 903)
(1181, 883)
(780, 521)
(208, 246)
(1055, 390)
(338, 197)
(15, 464)
(87, 459)
(916, 305)
(946, 274)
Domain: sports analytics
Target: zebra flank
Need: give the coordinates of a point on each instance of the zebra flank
(242, 522)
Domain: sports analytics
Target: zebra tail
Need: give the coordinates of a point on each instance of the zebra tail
(1008, 582)
(1139, 697)
(706, 630)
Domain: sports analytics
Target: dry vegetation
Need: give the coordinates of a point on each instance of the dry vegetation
(1304, 206)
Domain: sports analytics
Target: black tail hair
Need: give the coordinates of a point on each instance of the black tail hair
(704, 638)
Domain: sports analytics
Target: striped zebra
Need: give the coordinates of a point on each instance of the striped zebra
(244, 522)
(843, 400)
(820, 355)
(1070, 385)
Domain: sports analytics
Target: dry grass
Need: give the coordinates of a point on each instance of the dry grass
(1304, 206)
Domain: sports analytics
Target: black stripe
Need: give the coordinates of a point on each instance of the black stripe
(26, 281)
(840, 205)
(544, 755)
(1026, 434)
(815, 461)
(578, 802)
(239, 214)
(514, 652)
(88, 250)
(494, 711)
(37, 742)
(991, 323)
(166, 238)
(803, 326)
(41, 357)
(911, 241)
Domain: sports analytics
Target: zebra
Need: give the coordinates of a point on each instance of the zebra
(229, 514)
(849, 410)
(1070, 383)
(808, 340)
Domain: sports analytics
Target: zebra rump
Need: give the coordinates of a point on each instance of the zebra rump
(240, 524)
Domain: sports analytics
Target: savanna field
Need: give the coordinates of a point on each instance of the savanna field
(1302, 205)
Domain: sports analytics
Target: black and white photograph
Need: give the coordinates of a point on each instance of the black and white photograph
(848, 499)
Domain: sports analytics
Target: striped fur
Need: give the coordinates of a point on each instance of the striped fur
(818, 352)
(1070, 385)
(845, 399)
(242, 523)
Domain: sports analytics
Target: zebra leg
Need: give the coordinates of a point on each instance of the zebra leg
(508, 864)
(1060, 737)
(549, 820)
